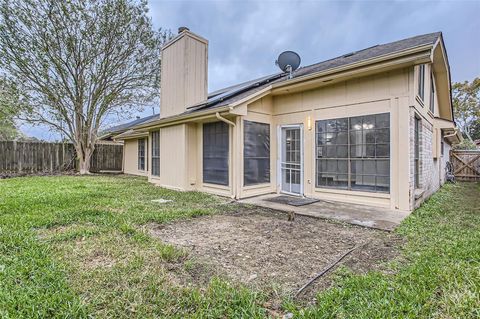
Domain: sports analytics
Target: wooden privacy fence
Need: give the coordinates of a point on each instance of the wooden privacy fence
(37, 157)
(466, 165)
(107, 157)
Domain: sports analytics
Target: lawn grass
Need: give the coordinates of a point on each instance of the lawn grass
(439, 276)
(73, 247)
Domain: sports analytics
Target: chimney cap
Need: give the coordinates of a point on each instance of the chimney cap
(181, 29)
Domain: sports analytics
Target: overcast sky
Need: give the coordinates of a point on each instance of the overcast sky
(245, 37)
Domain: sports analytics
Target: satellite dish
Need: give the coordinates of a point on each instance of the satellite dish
(288, 61)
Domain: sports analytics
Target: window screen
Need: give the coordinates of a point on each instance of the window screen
(354, 153)
(141, 154)
(156, 153)
(215, 153)
(256, 153)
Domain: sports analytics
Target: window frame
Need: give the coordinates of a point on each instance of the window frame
(421, 82)
(442, 145)
(346, 163)
(255, 157)
(218, 155)
(432, 94)
(141, 154)
(155, 153)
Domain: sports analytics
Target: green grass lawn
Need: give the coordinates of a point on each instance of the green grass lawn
(74, 247)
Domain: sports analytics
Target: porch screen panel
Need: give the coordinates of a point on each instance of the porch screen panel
(332, 153)
(256, 153)
(354, 153)
(156, 153)
(215, 153)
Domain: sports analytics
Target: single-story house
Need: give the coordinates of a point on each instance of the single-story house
(372, 127)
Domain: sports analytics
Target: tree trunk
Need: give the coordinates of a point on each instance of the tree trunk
(84, 155)
(467, 132)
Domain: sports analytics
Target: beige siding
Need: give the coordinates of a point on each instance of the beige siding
(130, 155)
(192, 152)
(184, 74)
(173, 157)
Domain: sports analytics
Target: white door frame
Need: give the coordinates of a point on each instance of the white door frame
(279, 158)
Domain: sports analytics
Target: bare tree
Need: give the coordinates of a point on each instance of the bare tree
(79, 61)
(10, 104)
(466, 105)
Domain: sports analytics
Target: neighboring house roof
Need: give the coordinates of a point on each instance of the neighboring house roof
(117, 129)
(227, 96)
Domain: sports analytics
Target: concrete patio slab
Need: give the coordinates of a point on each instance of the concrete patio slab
(361, 215)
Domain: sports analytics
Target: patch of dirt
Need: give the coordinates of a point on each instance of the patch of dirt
(99, 260)
(261, 248)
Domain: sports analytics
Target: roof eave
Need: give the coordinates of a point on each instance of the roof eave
(441, 69)
(420, 54)
(178, 119)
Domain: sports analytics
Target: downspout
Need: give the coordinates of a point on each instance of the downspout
(218, 116)
(455, 131)
(234, 180)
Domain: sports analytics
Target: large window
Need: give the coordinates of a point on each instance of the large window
(354, 153)
(215, 153)
(141, 154)
(156, 153)
(256, 153)
(421, 81)
(416, 145)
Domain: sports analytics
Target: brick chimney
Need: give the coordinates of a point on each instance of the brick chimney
(184, 73)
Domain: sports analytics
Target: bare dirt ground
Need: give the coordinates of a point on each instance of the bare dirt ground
(261, 248)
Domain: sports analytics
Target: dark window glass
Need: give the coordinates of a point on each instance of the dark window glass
(432, 94)
(354, 153)
(215, 153)
(421, 81)
(417, 129)
(156, 153)
(256, 153)
(141, 154)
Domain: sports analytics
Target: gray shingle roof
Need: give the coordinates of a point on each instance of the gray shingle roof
(239, 92)
(370, 53)
(117, 129)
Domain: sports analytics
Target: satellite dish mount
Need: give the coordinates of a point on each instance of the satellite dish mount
(288, 61)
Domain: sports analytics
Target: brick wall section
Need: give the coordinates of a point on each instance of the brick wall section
(411, 184)
(427, 167)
